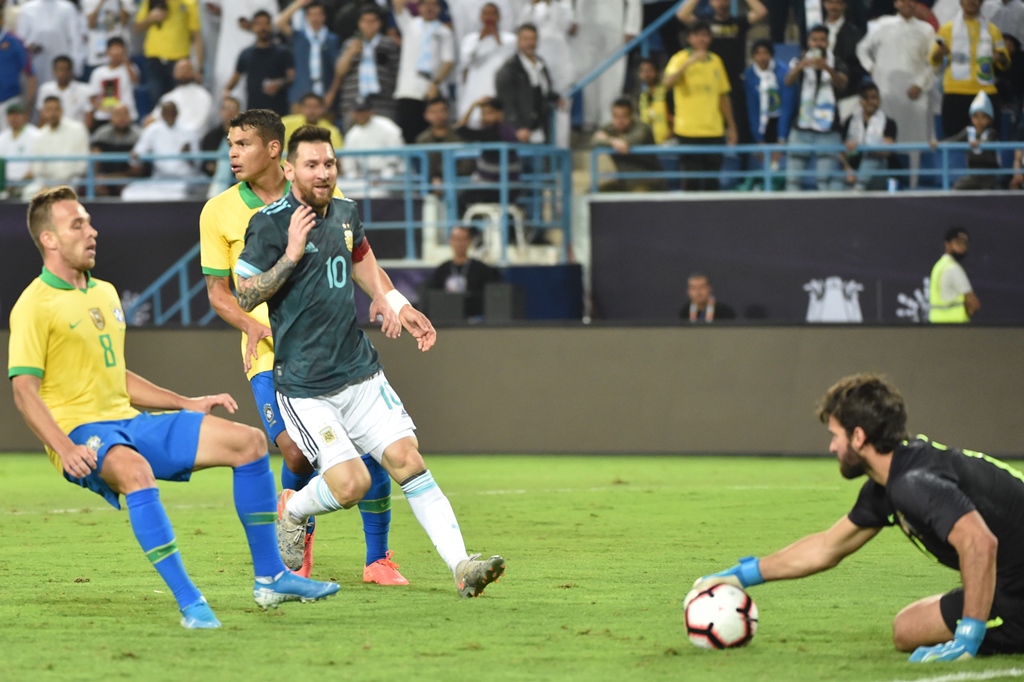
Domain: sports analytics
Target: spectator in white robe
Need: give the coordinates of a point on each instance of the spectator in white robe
(191, 99)
(1007, 15)
(164, 137)
(603, 27)
(895, 53)
(105, 19)
(75, 96)
(370, 175)
(50, 28)
(480, 56)
(58, 136)
(465, 15)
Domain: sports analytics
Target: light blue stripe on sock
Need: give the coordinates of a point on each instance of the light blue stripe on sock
(325, 496)
(419, 485)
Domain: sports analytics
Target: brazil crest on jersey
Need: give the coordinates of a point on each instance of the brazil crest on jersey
(319, 347)
(73, 340)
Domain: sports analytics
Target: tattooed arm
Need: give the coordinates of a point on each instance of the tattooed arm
(259, 288)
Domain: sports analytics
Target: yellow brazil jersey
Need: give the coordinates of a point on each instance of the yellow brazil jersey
(982, 74)
(698, 96)
(73, 340)
(293, 122)
(222, 226)
(171, 39)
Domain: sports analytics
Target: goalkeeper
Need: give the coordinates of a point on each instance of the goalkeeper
(962, 508)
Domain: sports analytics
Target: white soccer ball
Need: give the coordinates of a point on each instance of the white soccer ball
(720, 617)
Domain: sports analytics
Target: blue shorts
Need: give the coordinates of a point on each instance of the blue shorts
(266, 400)
(168, 441)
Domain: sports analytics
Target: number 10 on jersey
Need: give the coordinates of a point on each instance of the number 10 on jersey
(334, 280)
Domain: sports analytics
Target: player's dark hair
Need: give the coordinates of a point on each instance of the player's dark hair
(867, 88)
(265, 122)
(40, 214)
(699, 26)
(371, 9)
(307, 134)
(62, 58)
(763, 43)
(870, 402)
(116, 40)
(954, 232)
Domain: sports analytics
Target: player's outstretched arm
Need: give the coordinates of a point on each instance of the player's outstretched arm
(807, 556)
(147, 395)
(977, 549)
(415, 322)
(224, 303)
(78, 460)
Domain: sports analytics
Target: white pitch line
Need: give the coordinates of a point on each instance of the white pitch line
(970, 676)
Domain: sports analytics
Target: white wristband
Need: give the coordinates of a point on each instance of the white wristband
(396, 300)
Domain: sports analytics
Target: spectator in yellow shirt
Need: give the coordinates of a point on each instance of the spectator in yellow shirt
(974, 48)
(311, 112)
(172, 30)
(655, 105)
(703, 111)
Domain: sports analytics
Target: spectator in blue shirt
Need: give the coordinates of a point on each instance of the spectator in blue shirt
(14, 61)
(315, 48)
(770, 102)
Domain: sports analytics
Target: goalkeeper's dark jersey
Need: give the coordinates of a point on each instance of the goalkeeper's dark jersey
(931, 487)
(318, 348)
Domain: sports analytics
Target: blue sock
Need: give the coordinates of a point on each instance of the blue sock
(293, 481)
(254, 502)
(153, 530)
(375, 508)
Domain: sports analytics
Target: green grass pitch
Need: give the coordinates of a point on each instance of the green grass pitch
(600, 552)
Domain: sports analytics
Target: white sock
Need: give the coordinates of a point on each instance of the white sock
(315, 499)
(434, 512)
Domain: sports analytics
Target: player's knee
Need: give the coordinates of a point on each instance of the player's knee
(349, 489)
(902, 636)
(404, 456)
(126, 471)
(293, 457)
(254, 445)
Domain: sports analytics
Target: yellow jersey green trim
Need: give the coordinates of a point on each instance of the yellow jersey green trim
(18, 371)
(250, 199)
(56, 282)
(216, 272)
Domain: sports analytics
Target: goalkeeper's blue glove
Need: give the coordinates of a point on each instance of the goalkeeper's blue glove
(965, 643)
(744, 574)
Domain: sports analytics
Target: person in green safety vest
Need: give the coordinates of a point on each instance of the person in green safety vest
(950, 296)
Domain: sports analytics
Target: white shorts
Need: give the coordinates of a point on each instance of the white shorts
(363, 417)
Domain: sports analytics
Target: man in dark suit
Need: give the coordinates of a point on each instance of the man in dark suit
(843, 36)
(523, 85)
(464, 275)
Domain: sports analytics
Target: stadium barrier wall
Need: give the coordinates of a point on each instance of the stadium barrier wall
(598, 389)
(838, 258)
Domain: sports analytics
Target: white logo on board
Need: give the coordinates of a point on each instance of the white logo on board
(834, 300)
(914, 307)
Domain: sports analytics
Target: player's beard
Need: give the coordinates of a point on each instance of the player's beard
(310, 198)
(851, 465)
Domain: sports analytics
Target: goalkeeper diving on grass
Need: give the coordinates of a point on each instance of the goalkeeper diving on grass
(960, 507)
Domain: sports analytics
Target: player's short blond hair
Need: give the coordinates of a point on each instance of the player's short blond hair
(40, 210)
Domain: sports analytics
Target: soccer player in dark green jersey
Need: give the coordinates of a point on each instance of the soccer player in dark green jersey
(960, 507)
(301, 256)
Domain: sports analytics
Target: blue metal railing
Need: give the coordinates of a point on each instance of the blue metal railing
(944, 171)
(542, 188)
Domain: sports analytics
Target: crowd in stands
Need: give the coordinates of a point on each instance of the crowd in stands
(145, 77)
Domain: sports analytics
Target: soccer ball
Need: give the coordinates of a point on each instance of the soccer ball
(720, 617)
